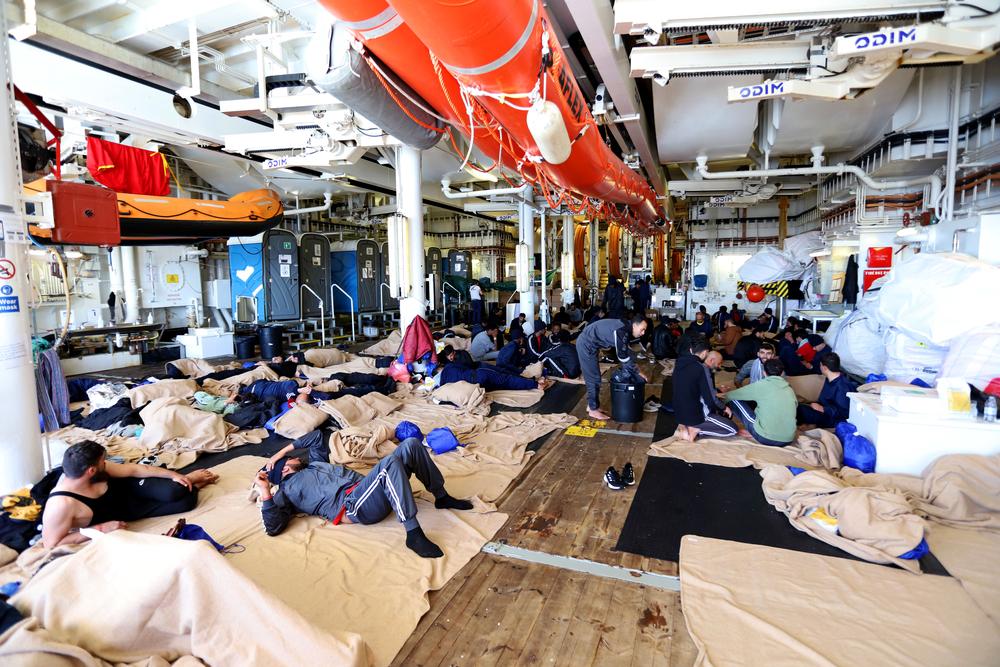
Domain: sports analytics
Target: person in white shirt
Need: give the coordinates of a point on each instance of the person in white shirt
(476, 298)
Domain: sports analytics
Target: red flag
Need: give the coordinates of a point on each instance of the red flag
(127, 169)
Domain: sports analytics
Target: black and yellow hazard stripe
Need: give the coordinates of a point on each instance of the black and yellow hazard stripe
(789, 289)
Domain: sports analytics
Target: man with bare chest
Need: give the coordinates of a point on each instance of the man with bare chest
(95, 493)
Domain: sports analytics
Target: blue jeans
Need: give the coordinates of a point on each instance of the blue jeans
(477, 311)
(745, 409)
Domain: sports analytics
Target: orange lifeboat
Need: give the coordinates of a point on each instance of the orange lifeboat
(495, 51)
(249, 213)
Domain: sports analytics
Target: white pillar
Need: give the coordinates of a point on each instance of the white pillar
(526, 262)
(410, 203)
(117, 280)
(130, 275)
(566, 261)
(543, 309)
(20, 442)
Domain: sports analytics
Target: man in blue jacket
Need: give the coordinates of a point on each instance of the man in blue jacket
(833, 405)
(602, 335)
(309, 484)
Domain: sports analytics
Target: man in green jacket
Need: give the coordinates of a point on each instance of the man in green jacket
(767, 407)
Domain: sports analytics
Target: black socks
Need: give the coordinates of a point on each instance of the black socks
(418, 543)
(446, 502)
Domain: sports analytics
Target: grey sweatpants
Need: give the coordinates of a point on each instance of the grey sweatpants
(590, 368)
(386, 488)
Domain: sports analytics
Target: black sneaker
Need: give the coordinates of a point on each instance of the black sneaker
(612, 479)
(628, 475)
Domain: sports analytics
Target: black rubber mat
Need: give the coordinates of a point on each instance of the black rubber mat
(267, 447)
(676, 498)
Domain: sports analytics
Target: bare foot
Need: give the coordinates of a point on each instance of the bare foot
(202, 478)
(598, 414)
(544, 383)
(743, 433)
(690, 433)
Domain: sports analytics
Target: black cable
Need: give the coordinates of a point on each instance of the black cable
(252, 217)
(984, 12)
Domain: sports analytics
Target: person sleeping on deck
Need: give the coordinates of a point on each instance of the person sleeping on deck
(98, 494)
(309, 484)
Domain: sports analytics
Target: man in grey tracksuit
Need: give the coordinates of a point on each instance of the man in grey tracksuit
(308, 483)
(603, 334)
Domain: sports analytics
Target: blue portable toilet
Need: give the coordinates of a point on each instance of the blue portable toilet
(314, 273)
(264, 274)
(356, 267)
(389, 302)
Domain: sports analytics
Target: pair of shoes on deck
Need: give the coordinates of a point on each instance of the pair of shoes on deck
(616, 481)
(651, 405)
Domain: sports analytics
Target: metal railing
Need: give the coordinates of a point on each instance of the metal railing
(322, 311)
(444, 310)
(333, 309)
(381, 296)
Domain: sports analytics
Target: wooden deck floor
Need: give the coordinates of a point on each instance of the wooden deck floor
(499, 611)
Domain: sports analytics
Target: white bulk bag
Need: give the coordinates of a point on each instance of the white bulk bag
(975, 358)
(937, 297)
(769, 265)
(907, 358)
(799, 246)
(857, 339)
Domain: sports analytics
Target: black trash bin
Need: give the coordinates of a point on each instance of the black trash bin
(627, 399)
(270, 341)
(246, 347)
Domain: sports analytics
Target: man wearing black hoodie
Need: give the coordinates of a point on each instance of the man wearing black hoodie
(697, 408)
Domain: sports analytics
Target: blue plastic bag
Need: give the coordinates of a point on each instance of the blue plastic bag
(916, 552)
(843, 430)
(859, 453)
(875, 377)
(442, 440)
(407, 429)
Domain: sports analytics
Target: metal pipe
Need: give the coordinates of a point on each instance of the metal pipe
(920, 103)
(521, 190)
(950, 165)
(409, 199)
(836, 170)
(543, 308)
(954, 236)
(328, 202)
(131, 280)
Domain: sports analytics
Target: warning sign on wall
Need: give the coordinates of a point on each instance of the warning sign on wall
(871, 275)
(9, 304)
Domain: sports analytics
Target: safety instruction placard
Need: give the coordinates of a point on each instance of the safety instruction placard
(9, 304)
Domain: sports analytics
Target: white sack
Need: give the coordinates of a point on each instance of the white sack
(937, 297)
(769, 265)
(974, 358)
(858, 340)
(106, 395)
(799, 246)
(908, 358)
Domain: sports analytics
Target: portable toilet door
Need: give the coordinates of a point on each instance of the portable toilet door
(246, 276)
(314, 273)
(281, 276)
(388, 302)
(458, 263)
(355, 267)
(433, 266)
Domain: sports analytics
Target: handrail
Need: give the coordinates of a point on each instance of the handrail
(430, 292)
(333, 313)
(322, 310)
(381, 296)
(445, 283)
(453, 289)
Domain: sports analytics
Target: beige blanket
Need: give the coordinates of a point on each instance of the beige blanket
(354, 365)
(196, 368)
(817, 448)
(387, 347)
(184, 598)
(127, 448)
(220, 387)
(172, 425)
(299, 420)
(361, 447)
(324, 356)
(746, 604)
(349, 410)
(972, 557)
(344, 579)
(164, 388)
(875, 524)
(806, 387)
(515, 398)
(466, 395)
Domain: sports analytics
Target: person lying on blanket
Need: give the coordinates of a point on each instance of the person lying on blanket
(308, 483)
(95, 493)
(459, 366)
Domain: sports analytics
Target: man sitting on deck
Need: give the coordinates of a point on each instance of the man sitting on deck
(767, 407)
(102, 495)
(696, 405)
(833, 405)
(308, 483)
(753, 370)
(484, 346)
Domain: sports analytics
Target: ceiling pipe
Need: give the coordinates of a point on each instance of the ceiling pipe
(833, 170)
(523, 191)
(328, 202)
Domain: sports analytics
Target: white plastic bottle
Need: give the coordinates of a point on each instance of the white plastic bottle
(990, 410)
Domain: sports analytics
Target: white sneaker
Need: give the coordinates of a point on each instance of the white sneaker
(651, 406)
